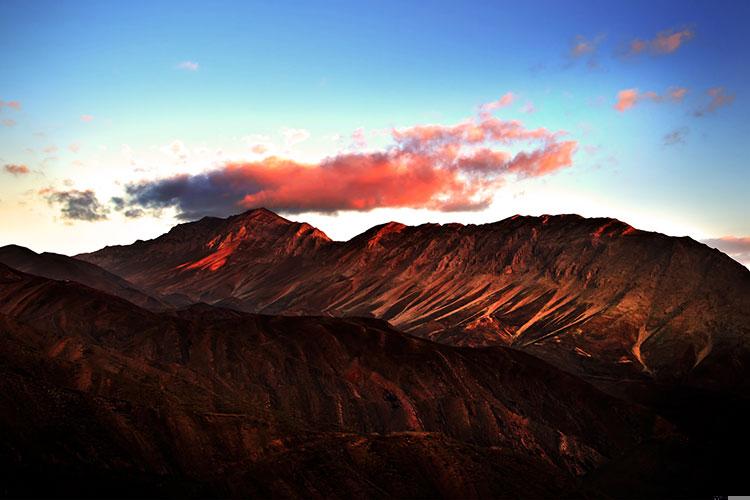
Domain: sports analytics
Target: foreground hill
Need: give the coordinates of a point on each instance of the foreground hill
(101, 397)
(593, 296)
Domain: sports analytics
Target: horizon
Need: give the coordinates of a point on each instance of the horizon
(119, 122)
(292, 220)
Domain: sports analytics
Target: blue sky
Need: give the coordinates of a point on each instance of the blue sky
(119, 93)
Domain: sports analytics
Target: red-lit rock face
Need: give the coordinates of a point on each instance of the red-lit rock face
(594, 296)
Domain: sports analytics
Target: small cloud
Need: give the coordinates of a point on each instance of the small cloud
(74, 147)
(627, 98)
(188, 66)
(676, 136)
(76, 205)
(528, 108)
(11, 104)
(177, 149)
(50, 149)
(259, 149)
(294, 136)
(585, 48)
(134, 213)
(9, 122)
(87, 118)
(665, 42)
(506, 100)
(719, 98)
(16, 169)
(359, 140)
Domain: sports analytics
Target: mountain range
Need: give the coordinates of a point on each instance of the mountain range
(255, 356)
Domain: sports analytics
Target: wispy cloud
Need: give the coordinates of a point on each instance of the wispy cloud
(87, 118)
(582, 48)
(11, 104)
(736, 247)
(718, 99)
(440, 167)
(665, 42)
(676, 136)
(188, 66)
(16, 169)
(75, 204)
(294, 136)
(505, 100)
(9, 122)
(627, 98)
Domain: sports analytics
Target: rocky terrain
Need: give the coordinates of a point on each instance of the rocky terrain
(105, 398)
(595, 297)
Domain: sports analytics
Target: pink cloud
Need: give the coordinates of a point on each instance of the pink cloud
(665, 42)
(87, 118)
(11, 104)
(16, 169)
(505, 100)
(453, 167)
(628, 98)
(719, 98)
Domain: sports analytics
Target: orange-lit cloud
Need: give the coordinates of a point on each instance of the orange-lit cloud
(16, 169)
(719, 98)
(665, 42)
(627, 98)
(585, 48)
(438, 167)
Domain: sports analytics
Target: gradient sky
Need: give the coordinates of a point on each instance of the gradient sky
(103, 100)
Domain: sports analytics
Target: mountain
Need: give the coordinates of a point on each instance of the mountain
(595, 297)
(62, 267)
(101, 397)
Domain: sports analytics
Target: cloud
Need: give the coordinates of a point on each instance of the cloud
(719, 98)
(74, 147)
(188, 66)
(176, 149)
(9, 122)
(676, 136)
(75, 204)
(665, 42)
(506, 100)
(16, 169)
(528, 108)
(736, 247)
(11, 104)
(582, 47)
(87, 118)
(448, 168)
(627, 98)
(294, 136)
(359, 140)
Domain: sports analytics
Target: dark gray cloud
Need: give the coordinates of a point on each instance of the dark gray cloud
(76, 205)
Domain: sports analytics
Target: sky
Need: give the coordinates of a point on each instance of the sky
(119, 120)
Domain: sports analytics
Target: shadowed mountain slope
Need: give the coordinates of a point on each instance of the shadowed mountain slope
(103, 397)
(62, 267)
